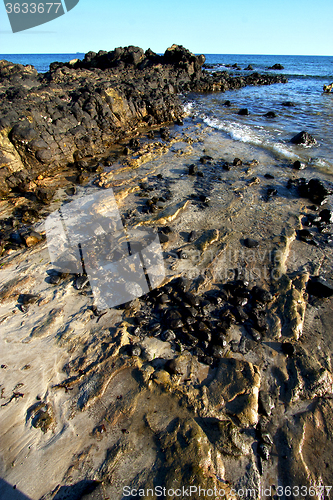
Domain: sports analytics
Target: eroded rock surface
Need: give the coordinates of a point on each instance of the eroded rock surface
(220, 377)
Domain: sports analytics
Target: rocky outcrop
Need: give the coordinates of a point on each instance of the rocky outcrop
(78, 109)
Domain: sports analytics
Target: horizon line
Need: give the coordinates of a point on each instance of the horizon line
(161, 53)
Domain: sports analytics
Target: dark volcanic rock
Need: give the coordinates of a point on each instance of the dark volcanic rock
(193, 169)
(318, 191)
(270, 114)
(319, 287)
(276, 66)
(77, 110)
(243, 112)
(297, 165)
(304, 139)
(251, 243)
(261, 295)
(288, 104)
(326, 216)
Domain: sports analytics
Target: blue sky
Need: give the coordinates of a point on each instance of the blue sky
(301, 27)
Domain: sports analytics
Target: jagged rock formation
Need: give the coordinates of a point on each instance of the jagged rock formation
(80, 108)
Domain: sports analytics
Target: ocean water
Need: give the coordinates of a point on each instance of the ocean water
(312, 110)
(40, 61)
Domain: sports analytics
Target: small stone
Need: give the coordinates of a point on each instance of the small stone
(192, 169)
(176, 323)
(32, 238)
(163, 238)
(217, 351)
(317, 191)
(288, 104)
(270, 114)
(168, 336)
(70, 191)
(253, 332)
(205, 159)
(319, 287)
(204, 199)
(251, 243)
(192, 236)
(261, 295)
(288, 348)
(44, 195)
(227, 103)
(270, 193)
(82, 179)
(305, 235)
(162, 377)
(243, 112)
(303, 139)
(207, 360)
(269, 176)
(264, 451)
(134, 350)
(326, 216)
(28, 298)
(237, 162)
(81, 282)
(55, 279)
(266, 403)
(297, 165)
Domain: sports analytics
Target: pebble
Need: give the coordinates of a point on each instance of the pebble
(193, 236)
(163, 238)
(251, 243)
(298, 165)
(81, 282)
(28, 298)
(266, 403)
(264, 451)
(288, 348)
(168, 336)
(319, 287)
(32, 238)
(134, 350)
(55, 279)
(305, 235)
(261, 295)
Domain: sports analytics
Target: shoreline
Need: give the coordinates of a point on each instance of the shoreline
(204, 381)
